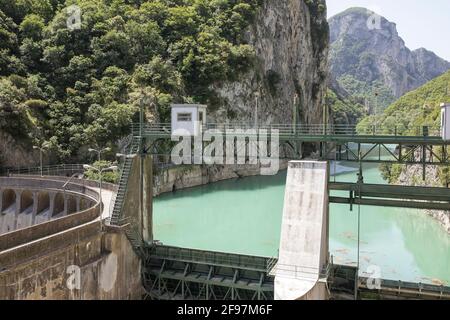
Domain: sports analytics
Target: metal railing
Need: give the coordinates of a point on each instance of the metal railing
(53, 170)
(300, 272)
(298, 130)
(209, 257)
(267, 265)
(118, 199)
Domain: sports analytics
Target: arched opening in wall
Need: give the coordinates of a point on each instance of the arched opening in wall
(71, 204)
(58, 205)
(43, 202)
(26, 202)
(8, 200)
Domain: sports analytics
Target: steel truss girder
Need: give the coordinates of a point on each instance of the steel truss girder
(392, 196)
(405, 154)
(213, 283)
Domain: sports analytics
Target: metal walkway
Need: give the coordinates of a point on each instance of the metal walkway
(431, 198)
(314, 133)
(172, 273)
(175, 273)
(415, 145)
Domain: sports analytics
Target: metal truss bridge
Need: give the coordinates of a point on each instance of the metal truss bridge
(172, 273)
(416, 145)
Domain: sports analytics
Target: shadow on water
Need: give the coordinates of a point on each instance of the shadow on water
(254, 183)
(232, 185)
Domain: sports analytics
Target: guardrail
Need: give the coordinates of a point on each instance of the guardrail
(53, 170)
(315, 130)
(209, 257)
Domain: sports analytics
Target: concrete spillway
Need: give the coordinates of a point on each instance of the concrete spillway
(303, 249)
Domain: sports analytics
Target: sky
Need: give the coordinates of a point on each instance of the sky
(421, 23)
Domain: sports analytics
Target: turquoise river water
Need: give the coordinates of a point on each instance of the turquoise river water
(244, 216)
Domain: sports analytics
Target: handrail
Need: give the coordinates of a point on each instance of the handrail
(123, 185)
(50, 170)
(209, 257)
(301, 129)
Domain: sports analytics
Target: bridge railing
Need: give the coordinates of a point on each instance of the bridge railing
(298, 272)
(298, 130)
(53, 170)
(208, 257)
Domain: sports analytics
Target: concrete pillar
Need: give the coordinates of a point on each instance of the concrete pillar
(18, 206)
(78, 200)
(66, 204)
(304, 234)
(147, 210)
(35, 207)
(52, 205)
(140, 190)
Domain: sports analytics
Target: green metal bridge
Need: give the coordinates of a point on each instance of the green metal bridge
(416, 145)
(172, 273)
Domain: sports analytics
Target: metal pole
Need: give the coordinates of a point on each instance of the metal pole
(294, 111)
(141, 114)
(42, 174)
(141, 165)
(100, 193)
(256, 111)
(360, 182)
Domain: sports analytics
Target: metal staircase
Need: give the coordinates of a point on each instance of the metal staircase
(119, 199)
(136, 241)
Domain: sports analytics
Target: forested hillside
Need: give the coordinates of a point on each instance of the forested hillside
(74, 86)
(417, 108)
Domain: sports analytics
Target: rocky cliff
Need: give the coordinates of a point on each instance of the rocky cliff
(411, 176)
(290, 38)
(367, 55)
(15, 153)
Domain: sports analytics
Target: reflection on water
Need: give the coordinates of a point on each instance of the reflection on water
(244, 216)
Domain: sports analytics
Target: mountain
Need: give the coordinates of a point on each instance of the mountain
(370, 60)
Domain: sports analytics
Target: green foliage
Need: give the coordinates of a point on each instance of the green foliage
(391, 172)
(83, 87)
(414, 110)
(32, 27)
(376, 96)
(13, 115)
(417, 108)
(107, 176)
(345, 111)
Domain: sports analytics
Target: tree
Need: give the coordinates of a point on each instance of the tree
(32, 27)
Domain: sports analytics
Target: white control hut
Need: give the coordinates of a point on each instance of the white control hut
(445, 121)
(188, 117)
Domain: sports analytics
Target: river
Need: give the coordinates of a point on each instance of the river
(244, 216)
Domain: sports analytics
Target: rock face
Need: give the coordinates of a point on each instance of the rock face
(367, 47)
(185, 177)
(14, 153)
(411, 176)
(290, 38)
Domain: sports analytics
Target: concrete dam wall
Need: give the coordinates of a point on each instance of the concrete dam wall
(69, 255)
(25, 202)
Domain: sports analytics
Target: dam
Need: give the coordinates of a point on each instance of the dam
(230, 244)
